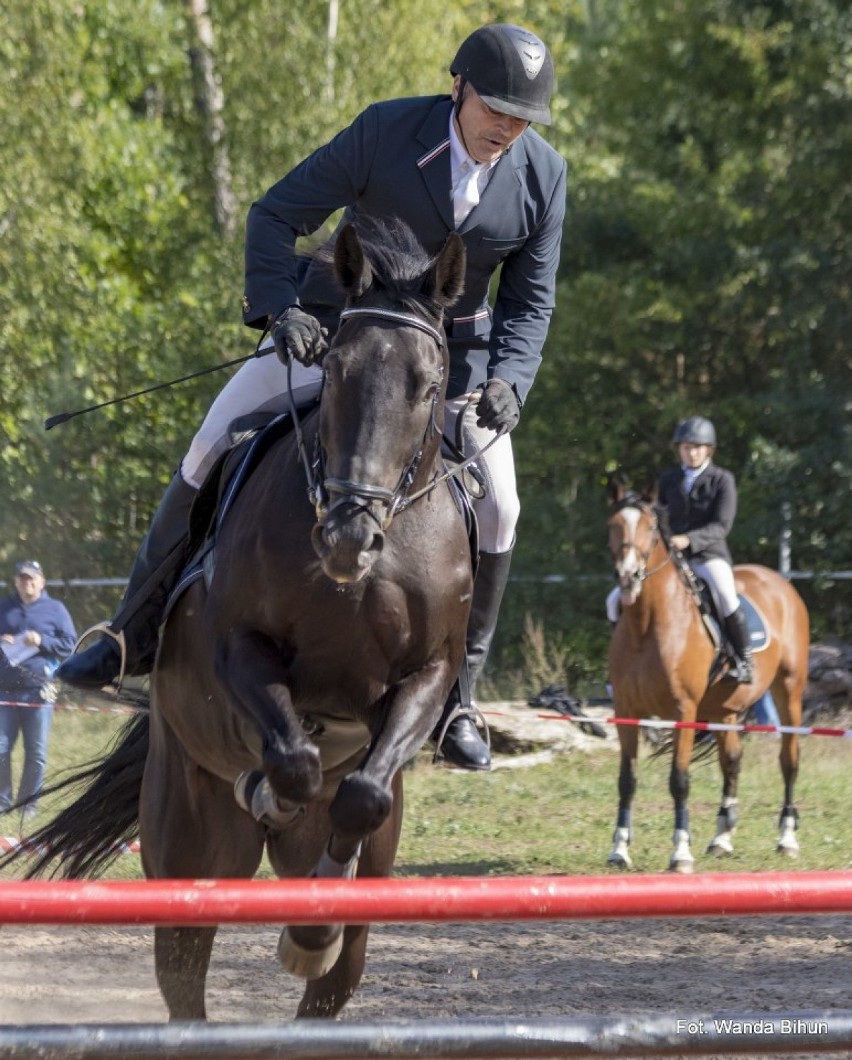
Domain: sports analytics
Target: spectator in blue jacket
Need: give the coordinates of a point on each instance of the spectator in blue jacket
(36, 633)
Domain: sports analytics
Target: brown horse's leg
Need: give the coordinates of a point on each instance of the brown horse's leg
(628, 738)
(684, 740)
(181, 958)
(312, 947)
(730, 762)
(788, 699)
(190, 827)
(253, 671)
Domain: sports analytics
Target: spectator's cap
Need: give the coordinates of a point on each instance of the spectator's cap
(29, 566)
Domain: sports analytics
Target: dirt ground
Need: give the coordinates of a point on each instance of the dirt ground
(438, 971)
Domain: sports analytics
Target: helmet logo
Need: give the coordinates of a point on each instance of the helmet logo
(530, 50)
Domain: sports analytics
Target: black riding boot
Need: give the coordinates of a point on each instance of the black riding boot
(738, 634)
(462, 745)
(155, 571)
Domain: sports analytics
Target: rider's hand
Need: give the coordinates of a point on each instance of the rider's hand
(498, 407)
(680, 541)
(296, 333)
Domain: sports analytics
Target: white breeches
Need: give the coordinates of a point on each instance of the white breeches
(497, 512)
(718, 574)
(260, 385)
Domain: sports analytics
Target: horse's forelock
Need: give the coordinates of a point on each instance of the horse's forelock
(398, 262)
(631, 499)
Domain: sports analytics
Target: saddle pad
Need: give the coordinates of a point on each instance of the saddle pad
(755, 624)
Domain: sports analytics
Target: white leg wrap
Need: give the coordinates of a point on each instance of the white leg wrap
(723, 842)
(620, 850)
(682, 859)
(787, 842)
(329, 869)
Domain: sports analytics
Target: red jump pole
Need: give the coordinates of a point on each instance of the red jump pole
(362, 901)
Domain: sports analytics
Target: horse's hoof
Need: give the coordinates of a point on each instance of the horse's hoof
(721, 847)
(788, 848)
(682, 868)
(305, 963)
(619, 861)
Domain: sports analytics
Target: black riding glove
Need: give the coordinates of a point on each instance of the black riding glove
(296, 333)
(498, 408)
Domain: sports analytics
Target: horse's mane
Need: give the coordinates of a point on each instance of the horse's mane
(398, 261)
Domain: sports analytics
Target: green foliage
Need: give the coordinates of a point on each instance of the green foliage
(705, 266)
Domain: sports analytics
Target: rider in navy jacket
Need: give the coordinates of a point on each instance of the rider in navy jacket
(701, 502)
(705, 514)
(467, 162)
(394, 161)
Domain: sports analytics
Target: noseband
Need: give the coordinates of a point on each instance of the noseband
(399, 498)
(642, 573)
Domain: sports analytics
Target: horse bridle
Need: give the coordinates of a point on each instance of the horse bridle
(642, 573)
(365, 494)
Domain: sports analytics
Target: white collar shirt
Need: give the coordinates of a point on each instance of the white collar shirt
(468, 178)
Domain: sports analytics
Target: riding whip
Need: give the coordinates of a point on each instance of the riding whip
(63, 417)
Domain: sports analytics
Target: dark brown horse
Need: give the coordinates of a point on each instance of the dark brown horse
(294, 682)
(660, 661)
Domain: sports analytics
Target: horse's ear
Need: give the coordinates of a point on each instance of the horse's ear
(616, 487)
(651, 492)
(446, 281)
(350, 266)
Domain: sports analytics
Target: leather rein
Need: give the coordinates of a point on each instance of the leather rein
(366, 494)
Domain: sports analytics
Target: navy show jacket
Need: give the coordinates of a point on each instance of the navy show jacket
(706, 513)
(394, 161)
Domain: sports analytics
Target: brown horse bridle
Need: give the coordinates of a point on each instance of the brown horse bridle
(365, 494)
(641, 574)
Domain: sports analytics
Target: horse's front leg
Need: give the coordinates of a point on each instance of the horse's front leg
(325, 996)
(684, 740)
(253, 670)
(628, 738)
(362, 805)
(789, 705)
(729, 746)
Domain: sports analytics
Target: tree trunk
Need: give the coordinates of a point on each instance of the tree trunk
(209, 99)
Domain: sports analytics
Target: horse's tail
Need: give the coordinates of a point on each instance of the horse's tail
(91, 832)
(702, 748)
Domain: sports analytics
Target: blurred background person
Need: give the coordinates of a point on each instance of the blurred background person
(36, 633)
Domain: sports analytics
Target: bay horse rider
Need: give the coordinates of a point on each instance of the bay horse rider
(467, 161)
(701, 501)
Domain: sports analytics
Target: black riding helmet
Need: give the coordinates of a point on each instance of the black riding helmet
(510, 69)
(695, 430)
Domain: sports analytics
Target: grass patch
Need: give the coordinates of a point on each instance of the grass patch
(558, 818)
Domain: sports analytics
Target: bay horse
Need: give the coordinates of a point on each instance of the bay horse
(294, 682)
(660, 659)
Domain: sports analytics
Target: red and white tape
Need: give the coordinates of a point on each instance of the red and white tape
(703, 726)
